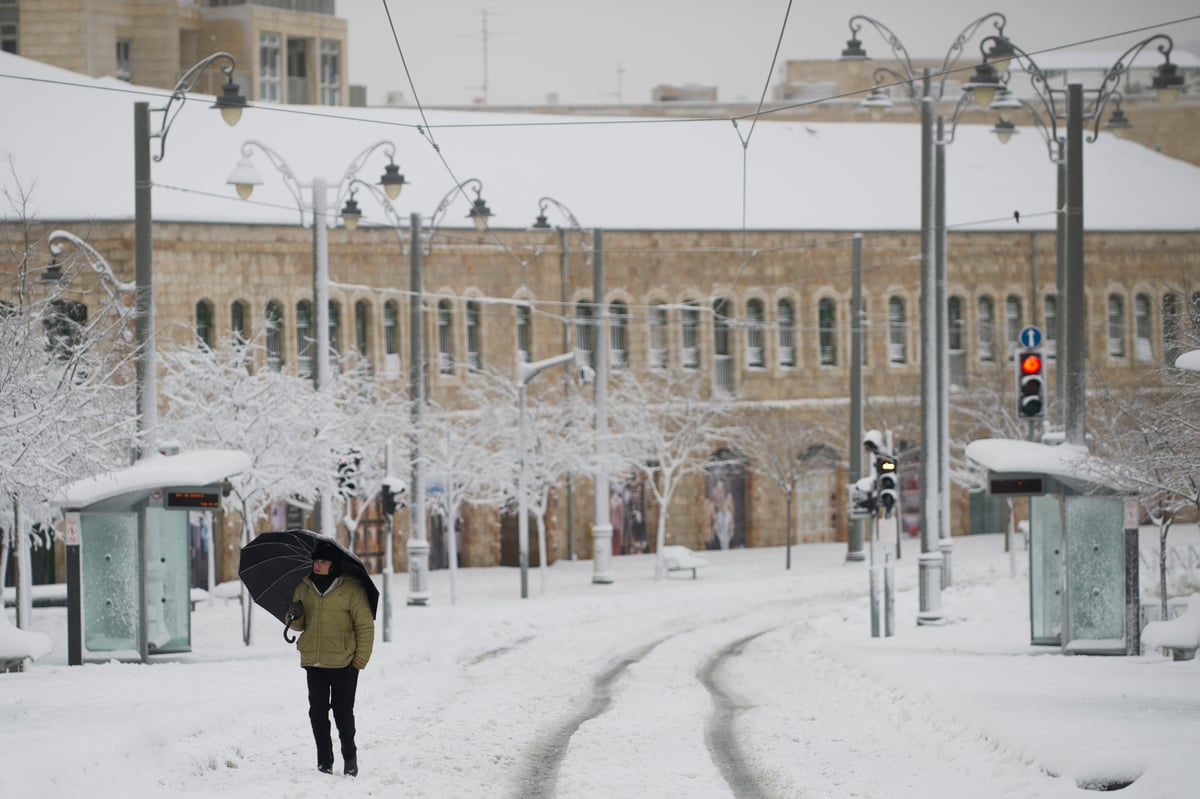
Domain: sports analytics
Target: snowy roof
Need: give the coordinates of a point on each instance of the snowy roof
(73, 146)
(198, 468)
(1068, 463)
(1078, 58)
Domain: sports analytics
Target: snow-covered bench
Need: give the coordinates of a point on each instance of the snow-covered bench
(1181, 634)
(17, 645)
(680, 559)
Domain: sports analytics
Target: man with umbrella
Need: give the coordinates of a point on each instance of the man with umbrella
(335, 615)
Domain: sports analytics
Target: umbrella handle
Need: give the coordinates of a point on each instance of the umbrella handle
(287, 627)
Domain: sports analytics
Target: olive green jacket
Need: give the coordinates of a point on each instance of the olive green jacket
(337, 628)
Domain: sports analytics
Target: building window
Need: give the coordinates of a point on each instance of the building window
(445, 335)
(524, 334)
(722, 356)
(362, 339)
(618, 325)
(585, 332)
(304, 339)
(987, 329)
(865, 329)
(335, 336)
(274, 320)
(689, 325)
(827, 331)
(269, 81)
(785, 314)
(954, 341)
(331, 72)
(474, 336)
(237, 322)
(754, 334)
(1143, 350)
(658, 336)
(64, 327)
(391, 338)
(1116, 326)
(204, 324)
(897, 330)
(1013, 323)
(124, 60)
(1172, 322)
(1051, 340)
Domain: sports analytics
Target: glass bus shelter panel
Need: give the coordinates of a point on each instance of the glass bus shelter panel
(109, 581)
(1095, 570)
(168, 581)
(1046, 569)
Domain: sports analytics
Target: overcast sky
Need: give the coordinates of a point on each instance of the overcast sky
(585, 51)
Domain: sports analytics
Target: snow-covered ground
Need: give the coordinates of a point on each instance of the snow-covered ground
(751, 680)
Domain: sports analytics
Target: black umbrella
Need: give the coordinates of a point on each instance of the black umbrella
(273, 564)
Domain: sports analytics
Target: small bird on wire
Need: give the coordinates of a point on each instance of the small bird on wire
(1017, 216)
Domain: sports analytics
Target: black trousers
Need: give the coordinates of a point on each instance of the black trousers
(332, 689)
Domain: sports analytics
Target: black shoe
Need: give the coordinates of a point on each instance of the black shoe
(325, 768)
(351, 769)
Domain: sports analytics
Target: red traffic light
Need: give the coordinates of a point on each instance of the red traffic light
(1031, 363)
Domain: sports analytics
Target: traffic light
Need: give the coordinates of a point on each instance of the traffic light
(392, 497)
(349, 474)
(889, 493)
(1031, 385)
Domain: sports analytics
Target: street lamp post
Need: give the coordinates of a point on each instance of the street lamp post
(602, 532)
(1070, 105)
(935, 536)
(230, 103)
(245, 177)
(525, 373)
(418, 543)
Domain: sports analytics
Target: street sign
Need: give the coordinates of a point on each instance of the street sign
(1030, 336)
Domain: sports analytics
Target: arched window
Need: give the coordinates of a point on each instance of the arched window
(274, 320)
(897, 331)
(524, 334)
(1116, 326)
(827, 330)
(335, 335)
(618, 323)
(785, 315)
(1051, 340)
(391, 338)
(237, 322)
(362, 326)
(445, 335)
(204, 324)
(689, 328)
(755, 357)
(722, 356)
(658, 336)
(1172, 322)
(1013, 321)
(987, 329)
(474, 336)
(954, 341)
(304, 340)
(1143, 349)
(585, 332)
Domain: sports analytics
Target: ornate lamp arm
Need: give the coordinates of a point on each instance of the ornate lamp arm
(230, 98)
(889, 37)
(389, 210)
(1001, 45)
(358, 163)
(289, 177)
(1112, 78)
(440, 211)
(544, 203)
(964, 100)
(108, 278)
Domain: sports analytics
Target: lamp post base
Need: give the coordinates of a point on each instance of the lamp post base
(929, 579)
(418, 572)
(602, 554)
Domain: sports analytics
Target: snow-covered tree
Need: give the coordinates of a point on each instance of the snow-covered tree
(784, 448)
(663, 426)
(67, 407)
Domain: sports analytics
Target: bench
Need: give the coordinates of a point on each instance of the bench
(681, 559)
(1181, 634)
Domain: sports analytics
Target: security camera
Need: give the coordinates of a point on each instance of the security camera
(873, 442)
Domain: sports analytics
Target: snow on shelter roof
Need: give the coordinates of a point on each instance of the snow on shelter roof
(71, 143)
(1189, 360)
(1070, 464)
(196, 468)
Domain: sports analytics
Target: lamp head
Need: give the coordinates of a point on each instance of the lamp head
(351, 213)
(1004, 130)
(244, 177)
(854, 55)
(479, 213)
(53, 271)
(1001, 52)
(392, 181)
(1167, 83)
(877, 103)
(1004, 104)
(231, 102)
(1118, 124)
(984, 84)
(541, 223)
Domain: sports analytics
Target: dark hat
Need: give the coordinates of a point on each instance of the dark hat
(327, 550)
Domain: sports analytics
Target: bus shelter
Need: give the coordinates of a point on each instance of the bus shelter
(128, 579)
